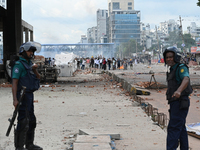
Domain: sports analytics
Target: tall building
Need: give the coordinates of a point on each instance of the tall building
(123, 22)
(122, 5)
(194, 30)
(92, 35)
(84, 39)
(168, 26)
(102, 14)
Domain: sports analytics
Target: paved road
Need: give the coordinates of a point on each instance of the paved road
(87, 101)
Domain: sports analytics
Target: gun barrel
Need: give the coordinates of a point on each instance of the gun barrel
(15, 111)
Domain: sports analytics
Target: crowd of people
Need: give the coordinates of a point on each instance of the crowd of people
(187, 57)
(50, 62)
(109, 63)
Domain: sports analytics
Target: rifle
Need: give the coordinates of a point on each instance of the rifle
(15, 111)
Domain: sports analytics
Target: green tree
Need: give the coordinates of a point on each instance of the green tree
(176, 38)
(126, 49)
(198, 3)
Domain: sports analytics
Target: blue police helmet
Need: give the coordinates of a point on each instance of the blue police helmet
(177, 54)
(30, 46)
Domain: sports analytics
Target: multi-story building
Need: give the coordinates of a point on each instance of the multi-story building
(92, 35)
(194, 30)
(102, 14)
(123, 22)
(168, 26)
(84, 39)
(120, 5)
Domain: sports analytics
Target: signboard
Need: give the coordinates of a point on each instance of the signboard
(195, 49)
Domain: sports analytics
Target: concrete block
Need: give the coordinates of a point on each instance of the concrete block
(93, 139)
(139, 91)
(115, 136)
(91, 146)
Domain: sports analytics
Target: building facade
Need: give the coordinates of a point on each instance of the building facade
(102, 14)
(168, 26)
(123, 22)
(123, 26)
(122, 5)
(194, 30)
(84, 39)
(92, 35)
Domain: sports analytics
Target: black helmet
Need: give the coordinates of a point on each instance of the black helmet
(177, 54)
(30, 46)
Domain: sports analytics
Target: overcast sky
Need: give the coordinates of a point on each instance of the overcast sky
(64, 21)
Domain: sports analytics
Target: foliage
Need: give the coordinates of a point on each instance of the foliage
(126, 49)
(198, 3)
(175, 38)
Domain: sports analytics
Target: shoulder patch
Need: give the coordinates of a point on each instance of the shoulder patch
(182, 70)
(16, 70)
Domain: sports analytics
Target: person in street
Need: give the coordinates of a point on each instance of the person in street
(46, 61)
(49, 61)
(52, 62)
(131, 64)
(118, 63)
(104, 64)
(177, 94)
(109, 63)
(83, 64)
(113, 63)
(24, 73)
(100, 61)
(92, 62)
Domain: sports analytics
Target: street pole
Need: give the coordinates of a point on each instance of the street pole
(158, 42)
(136, 46)
(181, 31)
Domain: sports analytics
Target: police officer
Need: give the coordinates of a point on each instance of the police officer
(177, 94)
(24, 73)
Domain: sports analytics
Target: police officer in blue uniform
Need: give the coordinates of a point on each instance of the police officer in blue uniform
(179, 88)
(24, 73)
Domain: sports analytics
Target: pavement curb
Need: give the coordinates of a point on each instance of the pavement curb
(158, 117)
(131, 88)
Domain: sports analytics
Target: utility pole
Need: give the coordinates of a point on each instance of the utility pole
(157, 42)
(183, 44)
(136, 46)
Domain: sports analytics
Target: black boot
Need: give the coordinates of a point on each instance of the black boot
(29, 141)
(20, 135)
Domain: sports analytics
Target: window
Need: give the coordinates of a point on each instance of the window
(102, 13)
(115, 5)
(129, 3)
(129, 8)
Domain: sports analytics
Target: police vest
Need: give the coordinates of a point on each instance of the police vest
(173, 85)
(30, 81)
